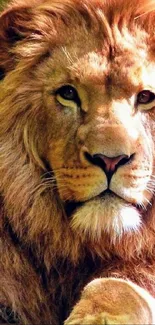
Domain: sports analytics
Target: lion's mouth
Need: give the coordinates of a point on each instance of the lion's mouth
(72, 206)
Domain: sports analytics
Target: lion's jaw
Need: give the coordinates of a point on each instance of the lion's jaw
(109, 214)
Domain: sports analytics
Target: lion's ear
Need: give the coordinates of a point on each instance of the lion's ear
(15, 25)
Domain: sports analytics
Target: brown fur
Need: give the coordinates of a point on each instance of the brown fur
(45, 262)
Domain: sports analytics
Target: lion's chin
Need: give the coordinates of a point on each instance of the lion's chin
(108, 214)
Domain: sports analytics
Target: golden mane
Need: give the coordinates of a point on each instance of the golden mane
(22, 183)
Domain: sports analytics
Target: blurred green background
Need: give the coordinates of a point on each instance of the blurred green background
(2, 3)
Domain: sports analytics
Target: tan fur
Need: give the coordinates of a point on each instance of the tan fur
(105, 49)
(112, 301)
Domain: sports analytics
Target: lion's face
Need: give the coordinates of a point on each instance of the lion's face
(98, 95)
(101, 148)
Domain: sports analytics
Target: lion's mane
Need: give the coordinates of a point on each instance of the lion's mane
(44, 264)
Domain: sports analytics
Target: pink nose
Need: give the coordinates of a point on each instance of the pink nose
(111, 163)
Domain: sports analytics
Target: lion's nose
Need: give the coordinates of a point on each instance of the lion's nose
(109, 164)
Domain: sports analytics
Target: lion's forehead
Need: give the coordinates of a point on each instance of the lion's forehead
(115, 70)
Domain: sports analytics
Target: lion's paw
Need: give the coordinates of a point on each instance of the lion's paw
(113, 301)
(87, 320)
(99, 319)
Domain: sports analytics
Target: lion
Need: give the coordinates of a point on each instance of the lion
(77, 159)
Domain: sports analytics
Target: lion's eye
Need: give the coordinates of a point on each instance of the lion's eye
(68, 93)
(145, 97)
